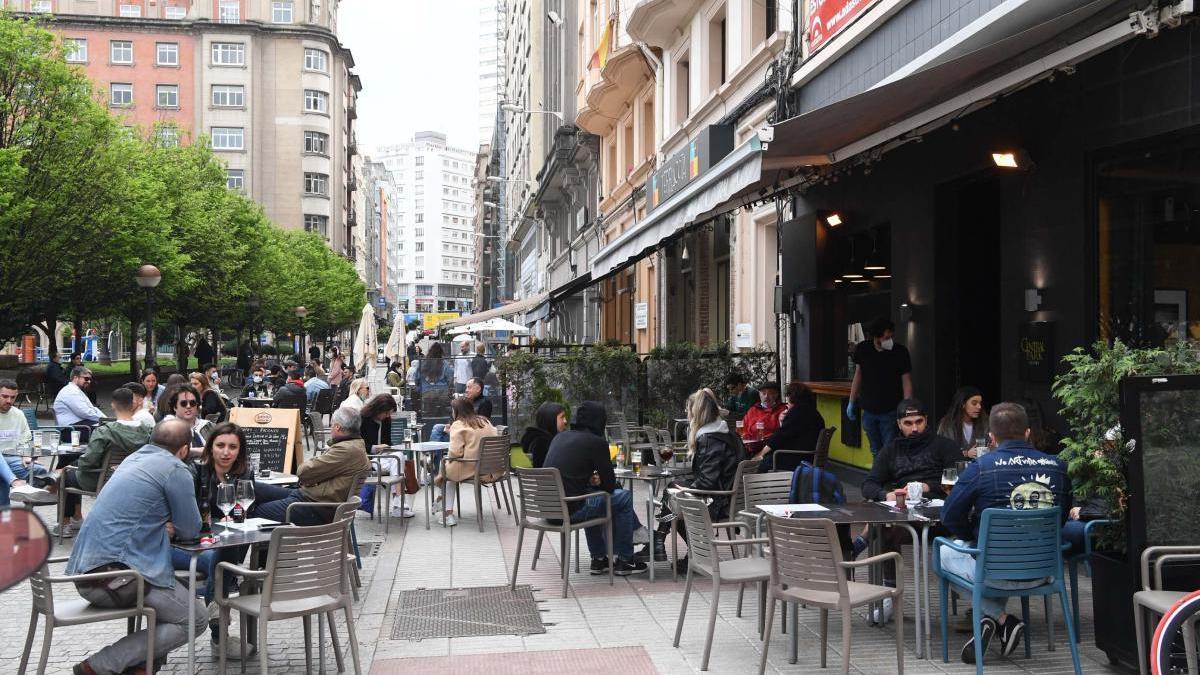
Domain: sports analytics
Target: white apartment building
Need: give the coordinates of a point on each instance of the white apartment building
(432, 239)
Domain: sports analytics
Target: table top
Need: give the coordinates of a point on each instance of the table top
(875, 513)
(426, 446)
(228, 539)
(44, 451)
(247, 402)
(651, 473)
(279, 478)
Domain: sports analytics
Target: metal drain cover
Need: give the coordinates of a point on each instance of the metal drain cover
(369, 549)
(466, 612)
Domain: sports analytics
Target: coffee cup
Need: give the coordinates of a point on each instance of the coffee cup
(915, 490)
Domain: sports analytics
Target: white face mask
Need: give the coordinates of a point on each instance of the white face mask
(887, 344)
(257, 379)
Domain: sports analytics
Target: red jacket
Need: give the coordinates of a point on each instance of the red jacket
(768, 416)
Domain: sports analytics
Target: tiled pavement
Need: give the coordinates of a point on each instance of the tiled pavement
(624, 628)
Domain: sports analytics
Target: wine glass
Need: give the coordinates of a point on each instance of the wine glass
(245, 496)
(226, 498)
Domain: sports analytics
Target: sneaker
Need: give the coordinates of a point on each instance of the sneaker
(860, 545)
(987, 628)
(82, 668)
(68, 530)
(886, 616)
(643, 553)
(406, 512)
(624, 568)
(1010, 634)
(451, 520)
(233, 649)
(599, 566)
(641, 535)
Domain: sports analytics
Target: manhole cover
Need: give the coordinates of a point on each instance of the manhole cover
(368, 549)
(466, 612)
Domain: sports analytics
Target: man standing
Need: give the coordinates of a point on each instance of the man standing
(474, 393)
(327, 477)
(150, 500)
(462, 367)
(882, 378)
(72, 406)
(741, 397)
(57, 377)
(581, 457)
(479, 365)
(766, 412)
(1013, 476)
(204, 352)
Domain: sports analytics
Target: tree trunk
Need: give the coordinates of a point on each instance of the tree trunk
(134, 371)
(77, 325)
(48, 329)
(181, 349)
(105, 352)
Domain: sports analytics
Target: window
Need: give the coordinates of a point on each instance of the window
(120, 51)
(131, 11)
(228, 54)
(316, 184)
(420, 231)
(420, 161)
(420, 174)
(316, 142)
(316, 59)
(228, 138)
(172, 12)
(316, 101)
(168, 54)
(313, 223)
(682, 99)
(40, 6)
(75, 49)
(121, 94)
(419, 274)
(420, 246)
(716, 51)
(281, 12)
(230, 11)
(419, 260)
(235, 179)
(167, 96)
(228, 96)
(167, 135)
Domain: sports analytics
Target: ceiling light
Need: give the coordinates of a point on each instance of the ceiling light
(1005, 160)
(860, 281)
(833, 220)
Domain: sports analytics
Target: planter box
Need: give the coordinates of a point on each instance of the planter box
(1114, 581)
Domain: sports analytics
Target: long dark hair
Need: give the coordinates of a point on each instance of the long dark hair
(171, 396)
(378, 404)
(546, 417)
(951, 423)
(431, 364)
(225, 429)
(463, 411)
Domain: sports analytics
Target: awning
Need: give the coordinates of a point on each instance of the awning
(538, 313)
(496, 312)
(571, 287)
(737, 170)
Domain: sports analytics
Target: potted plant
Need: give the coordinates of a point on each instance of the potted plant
(1098, 456)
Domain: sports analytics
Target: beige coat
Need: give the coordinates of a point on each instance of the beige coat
(465, 442)
(329, 477)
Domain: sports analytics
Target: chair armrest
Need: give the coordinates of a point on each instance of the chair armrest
(1087, 532)
(961, 548)
(460, 459)
(713, 493)
(731, 525)
(1171, 557)
(60, 559)
(891, 555)
(111, 574)
(219, 582)
(742, 542)
(579, 498)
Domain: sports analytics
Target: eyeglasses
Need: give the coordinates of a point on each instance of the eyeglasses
(87, 379)
(187, 403)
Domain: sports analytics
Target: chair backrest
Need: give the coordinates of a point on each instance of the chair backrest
(746, 467)
(356, 484)
(698, 523)
(43, 591)
(304, 562)
(766, 488)
(495, 454)
(821, 456)
(323, 404)
(541, 493)
(112, 459)
(805, 554)
(31, 418)
(1019, 545)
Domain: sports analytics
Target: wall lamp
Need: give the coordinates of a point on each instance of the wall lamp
(833, 219)
(1015, 158)
(1033, 300)
(513, 107)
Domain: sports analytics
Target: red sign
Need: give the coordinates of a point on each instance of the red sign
(827, 18)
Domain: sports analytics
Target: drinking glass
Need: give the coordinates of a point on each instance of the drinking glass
(981, 447)
(245, 496)
(961, 466)
(949, 479)
(51, 441)
(760, 427)
(635, 458)
(226, 498)
(37, 440)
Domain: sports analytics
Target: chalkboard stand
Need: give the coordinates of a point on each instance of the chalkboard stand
(273, 434)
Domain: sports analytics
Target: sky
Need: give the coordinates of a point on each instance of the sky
(418, 62)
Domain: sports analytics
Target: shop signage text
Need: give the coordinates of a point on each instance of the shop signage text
(706, 149)
(826, 18)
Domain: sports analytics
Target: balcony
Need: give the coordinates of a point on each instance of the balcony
(625, 73)
(655, 21)
(352, 183)
(353, 145)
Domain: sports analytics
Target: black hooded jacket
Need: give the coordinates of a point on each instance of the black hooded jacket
(536, 443)
(920, 457)
(582, 451)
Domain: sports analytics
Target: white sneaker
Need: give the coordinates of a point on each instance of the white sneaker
(887, 612)
(406, 512)
(451, 520)
(641, 535)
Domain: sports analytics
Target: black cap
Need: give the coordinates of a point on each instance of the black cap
(909, 407)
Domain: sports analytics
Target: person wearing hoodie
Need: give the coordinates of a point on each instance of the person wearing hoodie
(549, 419)
(582, 459)
(799, 428)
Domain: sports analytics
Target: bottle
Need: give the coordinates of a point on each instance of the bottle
(238, 514)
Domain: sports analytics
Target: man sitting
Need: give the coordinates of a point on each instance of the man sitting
(1013, 476)
(581, 457)
(72, 406)
(483, 404)
(741, 397)
(256, 384)
(152, 499)
(313, 383)
(292, 394)
(125, 435)
(14, 431)
(766, 412)
(327, 477)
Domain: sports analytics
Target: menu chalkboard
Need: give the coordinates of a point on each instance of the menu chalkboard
(272, 436)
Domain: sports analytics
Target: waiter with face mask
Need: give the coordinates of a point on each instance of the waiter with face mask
(882, 378)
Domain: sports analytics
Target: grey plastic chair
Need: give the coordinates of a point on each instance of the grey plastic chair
(112, 459)
(763, 488)
(819, 455)
(302, 578)
(494, 460)
(703, 558)
(499, 463)
(544, 508)
(1153, 600)
(807, 568)
(76, 611)
(384, 482)
(747, 467)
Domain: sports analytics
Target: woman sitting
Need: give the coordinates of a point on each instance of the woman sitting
(467, 431)
(360, 392)
(966, 422)
(210, 399)
(549, 419)
(377, 423)
(799, 428)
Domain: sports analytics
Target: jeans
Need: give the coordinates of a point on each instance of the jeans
(1072, 533)
(880, 428)
(277, 510)
(963, 565)
(21, 471)
(438, 433)
(624, 522)
(170, 629)
(206, 563)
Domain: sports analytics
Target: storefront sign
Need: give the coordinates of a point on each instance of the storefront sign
(641, 315)
(1037, 351)
(706, 149)
(743, 336)
(826, 18)
(432, 319)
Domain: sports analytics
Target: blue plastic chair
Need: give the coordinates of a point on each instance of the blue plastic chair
(1073, 566)
(1013, 546)
(31, 418)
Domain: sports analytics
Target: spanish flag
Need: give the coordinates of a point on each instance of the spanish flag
(600, 56)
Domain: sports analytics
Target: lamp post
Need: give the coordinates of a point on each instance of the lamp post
(301, 312)
(253, 304)
(147, 277)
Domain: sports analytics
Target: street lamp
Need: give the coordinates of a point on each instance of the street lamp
(252, 304)
(301, 312)
(148, 277)
(513, 107)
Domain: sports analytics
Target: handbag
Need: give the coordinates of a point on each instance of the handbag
(411, 486)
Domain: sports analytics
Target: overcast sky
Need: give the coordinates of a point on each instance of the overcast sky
(418, 61)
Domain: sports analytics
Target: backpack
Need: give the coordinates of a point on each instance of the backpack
(812, 485)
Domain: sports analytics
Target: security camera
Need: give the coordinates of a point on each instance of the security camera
(554, 18)
(766, 134)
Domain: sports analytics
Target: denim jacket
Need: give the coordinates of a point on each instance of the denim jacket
(1014, 475)
(128, 523)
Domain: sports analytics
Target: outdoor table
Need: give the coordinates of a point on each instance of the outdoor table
(247, 402)
(229, 539)
(877, 514)
(426, 447)
(651, 475)
(279, 478)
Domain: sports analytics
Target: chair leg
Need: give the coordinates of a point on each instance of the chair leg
(898, 606)
(847, 630)
(353, 638)
(387, 508)
(1049, 611)
(824, 635)
(976, 612)
(33, 622)
(741, 593)
(517, 558)
(479, 504)
(47, 636)
(354, 541)
(762, 607)
(762, 660)
(244, 629)
(262, 643)
(565, 545)
(945, 591)
(307, 620)
(712, 620)
(687, 592)
(223, 638)
(577, 552)
(337, 647)
(1073, 572)
(1025, 618)
(1139, 627)
(1072, 630)
(537, 549)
